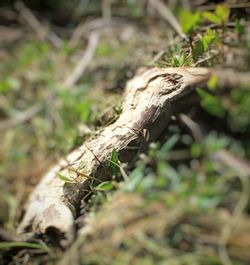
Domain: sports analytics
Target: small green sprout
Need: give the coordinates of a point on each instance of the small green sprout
(204, 43)
(209, 38)
(179, 60)
(189, 21)
(220, 16)
(104, 186)
(114, 163)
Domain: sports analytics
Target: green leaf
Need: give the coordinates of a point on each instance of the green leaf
(220, 16)
(114, 163)
(134, 179)
(179, 60)
(84, 109)
(170, 143)
(213, 82)
(223, 12)
(212, 17)
(104, 186)
(198, 50)
(63, 178)
(239, 26)
(196, 149)
(189, 21)
(4, 245)
(212, 104)
(213, 142)
(208, 38)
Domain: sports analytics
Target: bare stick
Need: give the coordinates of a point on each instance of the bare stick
(34, 23)
(84, 61)
(150, 99)
(238, 164)
(20, 117)
(165, 12)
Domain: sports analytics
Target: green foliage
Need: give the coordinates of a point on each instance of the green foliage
(4, 245)
(204, 43)
(10, 83)
(238, 110)
(211, 103)
(189, 21)
(180, 60)
(213, 143)
(134, 180)
(103, 49)
(210, 37)
(171, 172)
(221, 15)
(114, 163)
(239, 26)
(213, 82)
(104, 186)
(63, 178)
(74, 106)
(234, 106)
(169, 144)
(182, 182)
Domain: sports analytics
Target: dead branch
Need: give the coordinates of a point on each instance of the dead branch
(150, 99)
(38, 28)
(165, 12)
(20, 117)
(84, 61)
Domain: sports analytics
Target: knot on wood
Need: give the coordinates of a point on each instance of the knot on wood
(174, 78)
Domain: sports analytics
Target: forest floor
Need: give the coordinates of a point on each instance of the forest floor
(185, 200)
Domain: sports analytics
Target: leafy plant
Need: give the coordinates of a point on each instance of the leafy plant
(189, 21)
(180, 60)
(134, 180)
(104, 186)
(211, 103)
(40, 246)
(114, 163)
(204, 43)
(213, 82)
(239, 27)
(210, 37)
(220, 16)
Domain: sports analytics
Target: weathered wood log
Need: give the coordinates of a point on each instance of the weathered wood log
(150, 99)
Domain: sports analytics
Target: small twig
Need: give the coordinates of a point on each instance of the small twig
(207, 58)
(193, 126)
(167, 14)
(239, 164)
(87, 27)
(84, 61)
(228, 228)
(34, 23)
(243, 168)
(20, 118)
